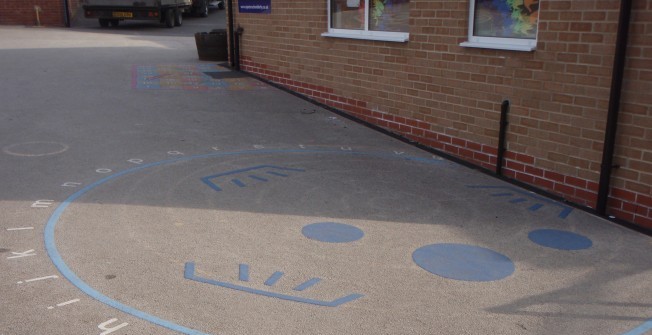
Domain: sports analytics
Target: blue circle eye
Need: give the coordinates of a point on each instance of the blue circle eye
(463, 262)
(559, 239)
(332, 232)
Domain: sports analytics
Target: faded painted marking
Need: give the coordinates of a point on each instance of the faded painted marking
(244, 272)
(399, 152)
(70, 184)
(65, 303)
(38, 279)
(274, 173)
(565, 210)
(502, 194)
(310, 283)
(211, 180)
(215, 148)
(257, 146)
(302, 146)
(535, 207)
(238, 182)
(175, 153)
(42, 203)
(103, 326)
(27, 253)
(135, 161)
(20, 228)
(258, 178)
(189, 273)
(347, 149)
(103, 170)
(274, 278)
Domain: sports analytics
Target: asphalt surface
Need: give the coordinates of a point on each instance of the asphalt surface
(141, 196)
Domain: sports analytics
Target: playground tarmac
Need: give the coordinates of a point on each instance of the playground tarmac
(141, 195)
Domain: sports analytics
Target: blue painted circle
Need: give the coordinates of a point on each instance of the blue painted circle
(463, 262)
(332, 232)
(559, 239)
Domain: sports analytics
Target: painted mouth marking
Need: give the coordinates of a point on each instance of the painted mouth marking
(268, 171)
(518, 196)
(189, 273)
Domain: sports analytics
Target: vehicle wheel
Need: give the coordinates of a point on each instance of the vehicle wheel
(169, 18)
(114, 23)
(104, 23)
(178, 18)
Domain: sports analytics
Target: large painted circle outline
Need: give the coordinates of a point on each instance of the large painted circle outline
(60, 264)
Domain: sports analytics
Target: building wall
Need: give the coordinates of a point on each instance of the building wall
(633, 180)
(21, 12)
(447, 97)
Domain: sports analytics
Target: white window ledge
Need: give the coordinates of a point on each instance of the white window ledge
(399, 37)
(498, 46)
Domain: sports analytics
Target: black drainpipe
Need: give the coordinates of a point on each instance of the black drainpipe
(238, 37)
(504, 109)
(614, 106)
(231, 33)
(66, 14)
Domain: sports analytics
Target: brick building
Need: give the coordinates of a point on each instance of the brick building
(51, 13)
(437, 72)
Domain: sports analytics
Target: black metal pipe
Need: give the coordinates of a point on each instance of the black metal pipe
(238, 34)
(504, 109)
(231, 33)
(66, 14)
(614, 106)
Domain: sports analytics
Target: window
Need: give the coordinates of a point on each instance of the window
(503, 24)
(384, 20)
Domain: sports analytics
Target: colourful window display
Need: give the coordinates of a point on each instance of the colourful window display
(370, 16)
(506, 18)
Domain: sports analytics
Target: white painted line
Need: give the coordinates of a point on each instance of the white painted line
(22, 254)
(70, 184)
(65, 303)
(21, 228)
(103, 326)
(37, 279)
(42, 203)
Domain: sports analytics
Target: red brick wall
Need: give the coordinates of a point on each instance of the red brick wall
(632, 197)
(435, 92)
(21, 12)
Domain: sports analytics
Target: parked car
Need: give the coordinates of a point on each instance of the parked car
(219, 4)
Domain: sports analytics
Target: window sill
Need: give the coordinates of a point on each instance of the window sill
(400, 37)
(498, 46)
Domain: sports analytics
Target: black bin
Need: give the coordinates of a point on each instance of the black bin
(212, 46)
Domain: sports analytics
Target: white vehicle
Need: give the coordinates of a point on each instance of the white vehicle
(169, 12)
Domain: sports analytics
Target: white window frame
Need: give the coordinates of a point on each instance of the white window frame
(366, 34)
(501, 43)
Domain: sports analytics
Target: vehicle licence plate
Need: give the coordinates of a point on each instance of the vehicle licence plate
(123, 14)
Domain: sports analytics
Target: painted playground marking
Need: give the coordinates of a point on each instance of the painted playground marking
(35, 149)
(189, 77)
(517, 196)
(559, 239)
(455, 261)
(189, 273)
(463, 262)
(66, 272)
(332, 232)
(242, 178)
